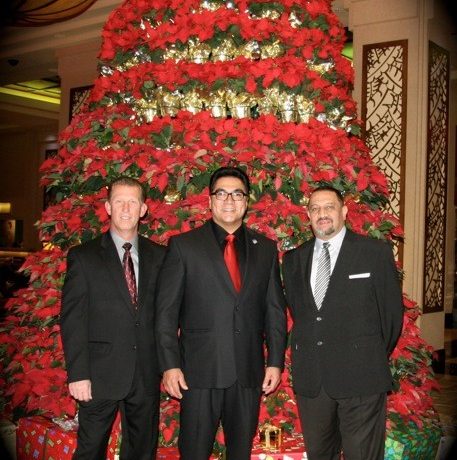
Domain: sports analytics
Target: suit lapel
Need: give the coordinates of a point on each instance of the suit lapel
(251, 244)
(346, 259)
(114, 266)
(343, 266)
(215, 255)
(144, 269)
(304, 269)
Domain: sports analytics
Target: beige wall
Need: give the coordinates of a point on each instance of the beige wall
(77, 67)
(21, 153)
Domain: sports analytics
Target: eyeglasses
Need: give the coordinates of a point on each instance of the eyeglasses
(328, 208)
(222, 195)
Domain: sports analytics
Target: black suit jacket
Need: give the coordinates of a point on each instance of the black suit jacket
(221, 333)
(345, 345)
(103, 337)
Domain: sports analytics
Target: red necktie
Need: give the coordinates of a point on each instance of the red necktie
(231, 261)
(129, 272)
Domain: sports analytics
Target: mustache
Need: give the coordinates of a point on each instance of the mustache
(323, 218)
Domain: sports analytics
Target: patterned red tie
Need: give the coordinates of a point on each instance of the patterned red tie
(129, 272)
(231, 261)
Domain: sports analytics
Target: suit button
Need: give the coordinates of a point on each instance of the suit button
(320, 343)
(319, 318)
(237, 331)
(137, 323)
(134, 347)
(237, 308)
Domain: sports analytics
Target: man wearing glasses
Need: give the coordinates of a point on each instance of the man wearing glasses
(219, 301)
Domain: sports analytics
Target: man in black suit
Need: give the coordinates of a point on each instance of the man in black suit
(342, 334)
(107, 330)
(211, 329)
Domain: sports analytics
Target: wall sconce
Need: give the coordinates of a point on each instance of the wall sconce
(5, 208)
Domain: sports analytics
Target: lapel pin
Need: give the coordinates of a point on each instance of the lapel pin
(254, 241)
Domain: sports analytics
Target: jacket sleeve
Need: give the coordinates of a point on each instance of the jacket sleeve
(170, 289)
(275, 319)
(74, 320)
(389, 298)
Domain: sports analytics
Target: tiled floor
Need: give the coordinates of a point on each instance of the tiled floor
(446, 399)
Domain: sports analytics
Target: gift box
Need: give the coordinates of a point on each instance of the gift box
(291, 448)
(167, 453)
(409, 442)
(31, 437)
(60, 444)
(270, 436)
(39, 438)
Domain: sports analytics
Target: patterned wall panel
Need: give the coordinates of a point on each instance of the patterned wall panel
(385, 67)
(436, 179)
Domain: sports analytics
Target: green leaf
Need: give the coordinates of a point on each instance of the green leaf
(162, 140)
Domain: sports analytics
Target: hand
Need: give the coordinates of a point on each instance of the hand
(271, 379)
(173, 381)
(81, 390)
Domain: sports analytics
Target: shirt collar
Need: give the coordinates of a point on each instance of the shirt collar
(119, 242)
(221, 233)
(335, 241)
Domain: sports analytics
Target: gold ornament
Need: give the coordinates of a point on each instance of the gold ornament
(334, 115)
(344, 121)
(172, 197)
(287, 108)
(192, 102)
(305, 108)
(225, 51)
(217, 102)
(269, 103)
(294, 20)
(250, 50)
(320, 68)
(146, 109)
(211, 5)
(270, 13)
(132, 62)
(240, 104)
(172, 52)
(273, 50)
(198, 52)
(169, 103)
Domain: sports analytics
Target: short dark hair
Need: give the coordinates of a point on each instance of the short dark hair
(229, 171)
(126, 180)
(328, 188)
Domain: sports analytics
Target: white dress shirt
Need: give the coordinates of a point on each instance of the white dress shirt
(334, 250)
(119, 242)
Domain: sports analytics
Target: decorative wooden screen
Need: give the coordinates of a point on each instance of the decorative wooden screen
(384, 83)
(436, 179)
(78, 96)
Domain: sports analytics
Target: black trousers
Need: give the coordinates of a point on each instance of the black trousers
(356, 425)
(140, 425)
(237, 408)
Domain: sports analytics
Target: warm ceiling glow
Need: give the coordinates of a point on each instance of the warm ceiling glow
(44, 12)
(26, 95)
(46, 90)
(5, 208)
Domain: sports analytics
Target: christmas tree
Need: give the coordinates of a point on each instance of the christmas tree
(185, 87)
